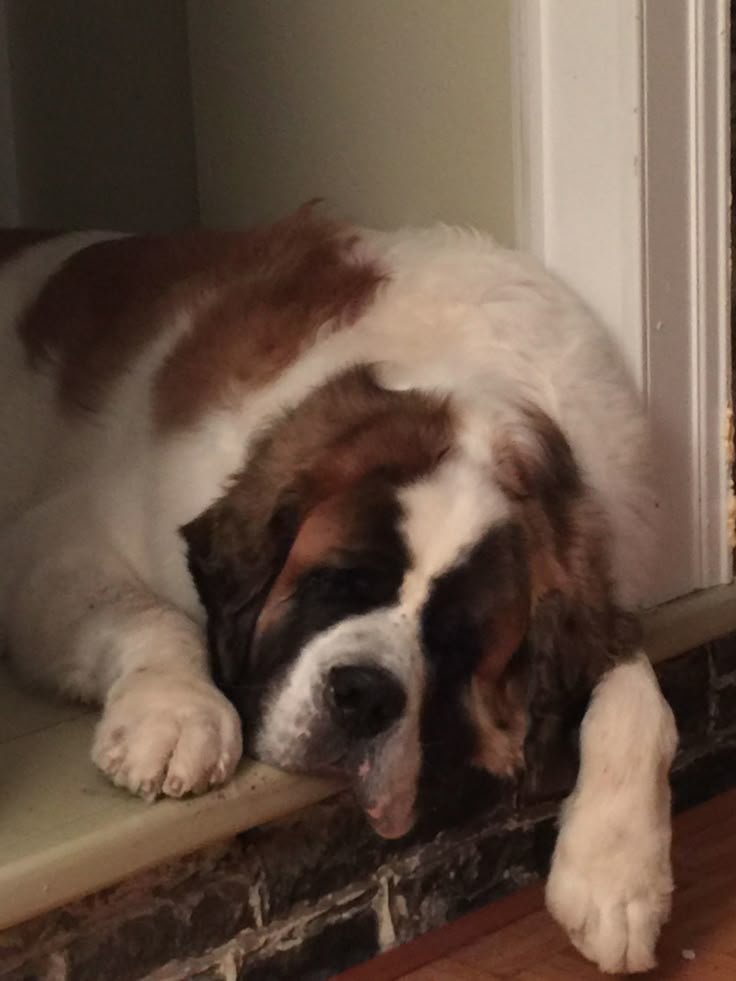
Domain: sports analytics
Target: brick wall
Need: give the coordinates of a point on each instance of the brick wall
(305, 898)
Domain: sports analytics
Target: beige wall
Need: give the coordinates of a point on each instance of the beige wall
(394, 110)
(102, 110)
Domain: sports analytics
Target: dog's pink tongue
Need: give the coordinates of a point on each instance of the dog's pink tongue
(392, 817)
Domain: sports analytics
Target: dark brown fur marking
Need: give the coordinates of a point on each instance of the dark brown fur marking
(256, 298)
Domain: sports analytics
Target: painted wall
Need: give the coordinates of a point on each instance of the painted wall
(394, 110)
(101, 104)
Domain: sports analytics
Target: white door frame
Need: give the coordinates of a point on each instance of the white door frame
(623, 157)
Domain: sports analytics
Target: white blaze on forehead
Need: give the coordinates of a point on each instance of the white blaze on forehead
(444, 516)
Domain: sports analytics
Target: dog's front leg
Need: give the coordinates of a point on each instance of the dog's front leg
(78, 620)
(611, 881)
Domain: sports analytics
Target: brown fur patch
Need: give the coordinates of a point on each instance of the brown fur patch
(13, 241)
(256, 298)
(289, 282)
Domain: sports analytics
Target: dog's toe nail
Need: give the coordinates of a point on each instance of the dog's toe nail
(174, 787)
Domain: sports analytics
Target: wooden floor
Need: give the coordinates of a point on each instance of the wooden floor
(516, 940)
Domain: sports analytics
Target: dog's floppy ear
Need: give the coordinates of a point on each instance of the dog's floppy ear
(234, 559)
(575, 630)
(534, 466)
(342, 432)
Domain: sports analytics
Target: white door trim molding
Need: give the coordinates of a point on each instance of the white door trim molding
(622, 141)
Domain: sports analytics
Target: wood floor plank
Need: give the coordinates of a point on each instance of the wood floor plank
(517, 946)
(567, 966)
(449, 970)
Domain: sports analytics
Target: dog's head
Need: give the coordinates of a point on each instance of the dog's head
(378, 553)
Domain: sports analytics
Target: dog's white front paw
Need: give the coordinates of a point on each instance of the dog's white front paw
(612, 895)
(162, 733)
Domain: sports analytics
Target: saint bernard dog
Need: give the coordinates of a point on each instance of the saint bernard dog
(286, 488)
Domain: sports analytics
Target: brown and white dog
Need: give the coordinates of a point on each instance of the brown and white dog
(344, 474)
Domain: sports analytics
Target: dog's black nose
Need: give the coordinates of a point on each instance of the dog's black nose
(365, 700)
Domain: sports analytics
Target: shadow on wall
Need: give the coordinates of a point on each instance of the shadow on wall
(101, 102)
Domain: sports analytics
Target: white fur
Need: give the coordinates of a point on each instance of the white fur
(611, 880)
(96, 600)
(444, 517)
